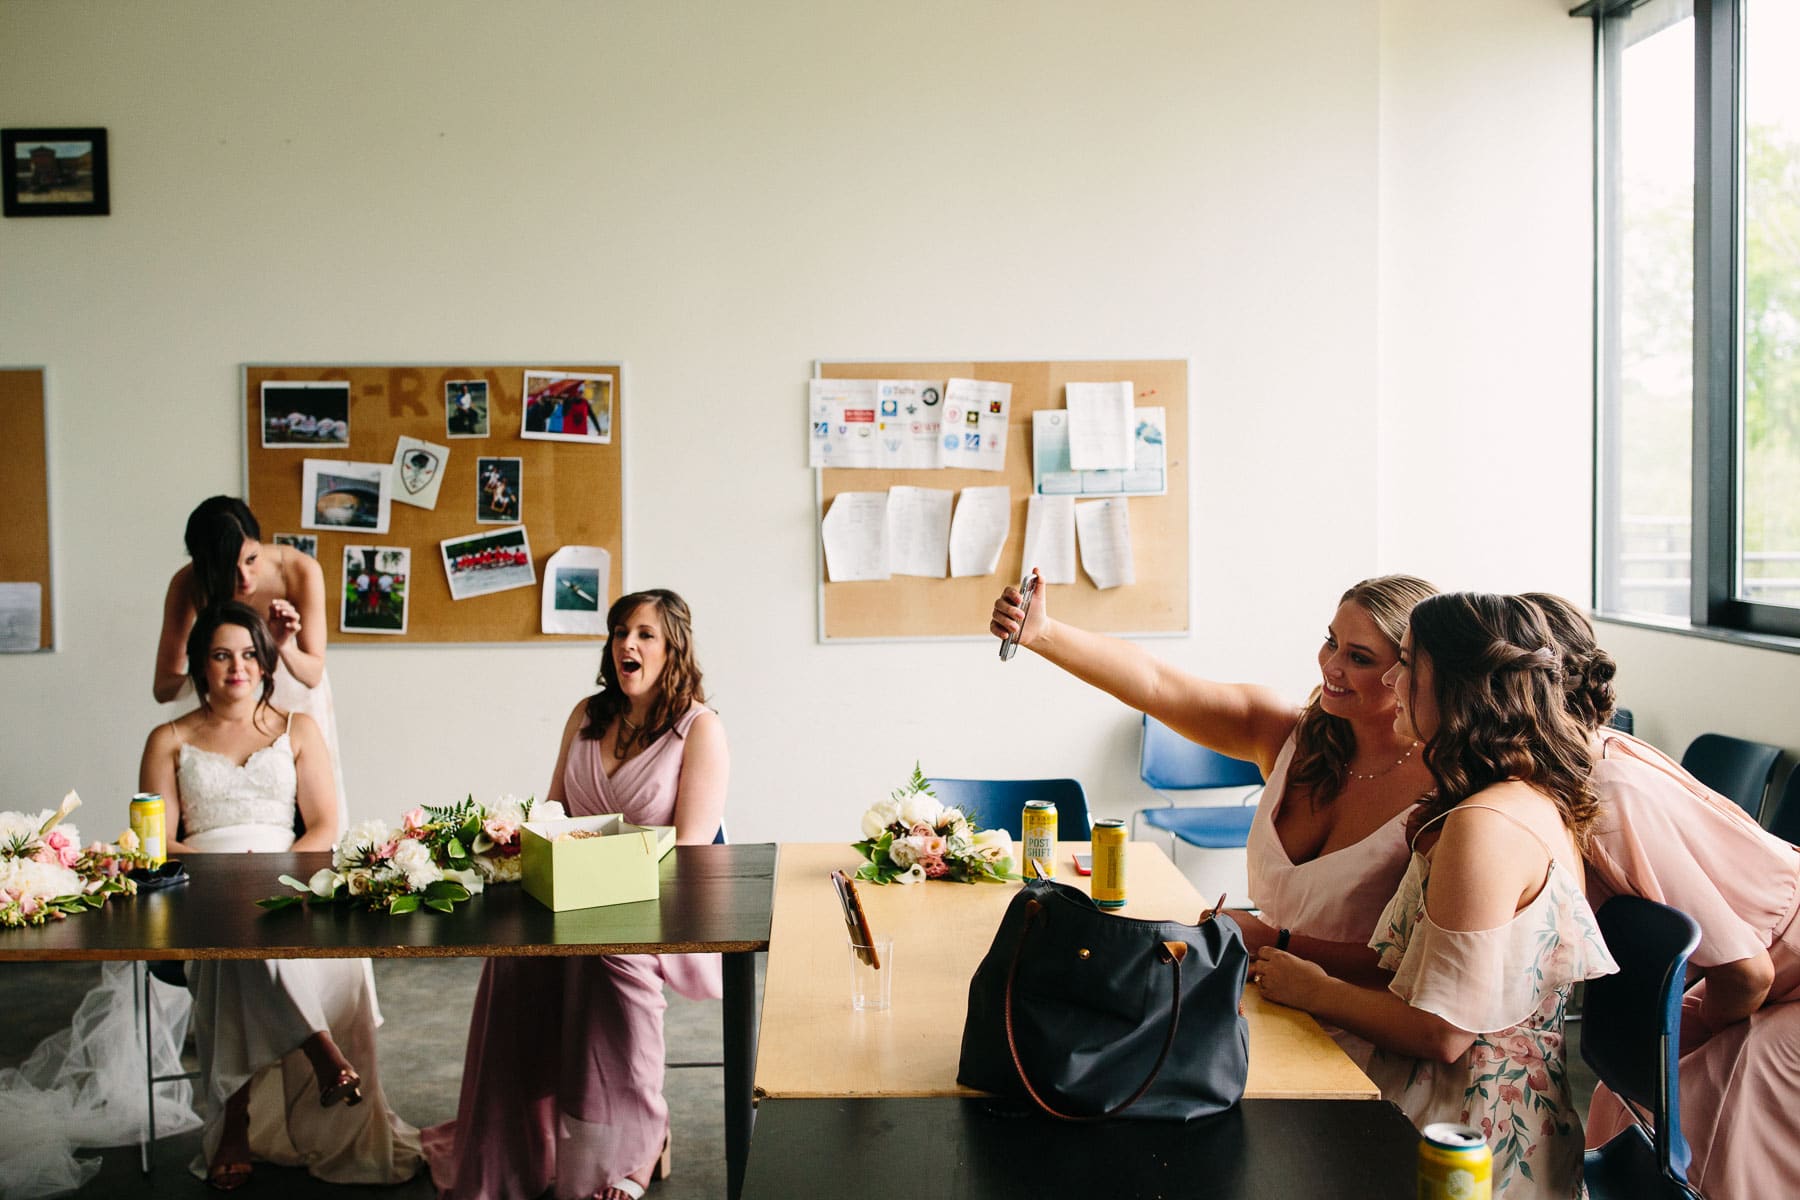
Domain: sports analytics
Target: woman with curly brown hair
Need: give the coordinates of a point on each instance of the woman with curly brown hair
(1665, 836)
(1489, 929)
(1327, 844)
(562, 1080)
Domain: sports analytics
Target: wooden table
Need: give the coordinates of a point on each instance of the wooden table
(711, 899)
(968, 1149)
(813, 1045)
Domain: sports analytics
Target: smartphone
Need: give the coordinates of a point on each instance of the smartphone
(1027, 589)
(1084, 864)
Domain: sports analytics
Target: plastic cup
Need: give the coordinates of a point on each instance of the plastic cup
(872, 988)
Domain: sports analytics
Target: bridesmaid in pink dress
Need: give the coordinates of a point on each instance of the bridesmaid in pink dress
(1664, 835)
(562, 1081)
(1327, 845)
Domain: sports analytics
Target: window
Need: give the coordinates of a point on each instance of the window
(1698, 275)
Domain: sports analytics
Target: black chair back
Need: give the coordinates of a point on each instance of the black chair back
(1000, 803)
(1733, 767)
(1786, 821)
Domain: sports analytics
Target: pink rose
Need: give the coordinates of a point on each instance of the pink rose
(58, 849)
(500, 829)
(415, 820)
(920, 831)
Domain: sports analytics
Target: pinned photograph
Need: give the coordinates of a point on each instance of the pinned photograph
(479, 563)
(374, 598)
(562, 407)
(310, 416)
(305, 543)
(466, 408)
(497, 484)
(419, 468)
(339, 495)
(574, 598)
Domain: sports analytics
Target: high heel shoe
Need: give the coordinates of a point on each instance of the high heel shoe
(663, 1168)
(347, 1089)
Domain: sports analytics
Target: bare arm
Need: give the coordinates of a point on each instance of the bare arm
(1241, 720)
(298, 623)
(555, 793)
(1353, 962)
(1376, 1015)
(171, 644)
(156, 774)
(705, 778)
(316, 785)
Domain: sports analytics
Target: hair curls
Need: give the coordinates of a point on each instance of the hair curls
(200, 640)
(1588, 671)
(1323, 744)
(1497, 684)
(679, 687)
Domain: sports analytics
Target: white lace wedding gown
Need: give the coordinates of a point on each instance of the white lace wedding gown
(251, 1016)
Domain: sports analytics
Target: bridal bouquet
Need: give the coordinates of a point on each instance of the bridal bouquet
(46, 876)
(438, 857)
(910, 837)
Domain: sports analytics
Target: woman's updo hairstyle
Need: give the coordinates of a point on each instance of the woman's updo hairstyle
(1588, 670)
(1497, 683)
(200, 639)
(216, 532)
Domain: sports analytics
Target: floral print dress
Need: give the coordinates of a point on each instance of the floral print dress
(1509, 986)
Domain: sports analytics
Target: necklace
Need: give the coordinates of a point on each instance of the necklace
(1385, 770)
(626, 737)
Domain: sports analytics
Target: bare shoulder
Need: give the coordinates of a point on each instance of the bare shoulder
(577, 718)
(297, 568)
(167, 737)
(707, 729)
(302, 728)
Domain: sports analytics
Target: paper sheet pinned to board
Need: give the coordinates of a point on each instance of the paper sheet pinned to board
(1104, 530)
(908, 420)
(918, 530)
(855, 536)
(1100, 426)
(574, 598)
(844, 431)
(975, 416)
(1050, 538)
(419, 470)
(21, 617)
(978, 531)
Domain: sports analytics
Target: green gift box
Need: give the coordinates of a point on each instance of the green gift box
(618, 867)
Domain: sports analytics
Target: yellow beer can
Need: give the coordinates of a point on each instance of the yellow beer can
(1454, 1163)
(147, 823)
(1109, 863)
(1038, 824)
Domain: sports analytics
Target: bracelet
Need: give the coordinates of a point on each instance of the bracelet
(1281, 939)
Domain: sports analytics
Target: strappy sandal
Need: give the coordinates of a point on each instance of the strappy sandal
(615, 1192)
(346, 1090)
(228, 1176)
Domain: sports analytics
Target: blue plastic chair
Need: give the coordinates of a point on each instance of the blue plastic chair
(1786, 822)
(1623, 721)
(1631, 1038)
(1169, 762)
(1000, 803)
(1733, 767)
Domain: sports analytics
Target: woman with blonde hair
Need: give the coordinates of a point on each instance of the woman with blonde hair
(1327, 844)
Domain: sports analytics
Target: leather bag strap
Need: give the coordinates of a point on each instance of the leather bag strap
(1170, 953)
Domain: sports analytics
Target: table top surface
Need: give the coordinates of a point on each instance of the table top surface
(978, 1150)
(711, 898)
(813, 1045)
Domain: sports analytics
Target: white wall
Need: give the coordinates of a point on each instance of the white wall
(718, 193)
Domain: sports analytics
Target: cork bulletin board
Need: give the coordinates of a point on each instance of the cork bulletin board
(568, 493)
(25, 549)
(905, 606)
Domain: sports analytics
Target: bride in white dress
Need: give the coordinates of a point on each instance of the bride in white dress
(283, 584)
(287, 1047)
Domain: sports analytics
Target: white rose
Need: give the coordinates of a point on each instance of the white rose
(920, 809)
(904, 851)
(912, 874)
(324, 882)
(992, 845)
(360, 882)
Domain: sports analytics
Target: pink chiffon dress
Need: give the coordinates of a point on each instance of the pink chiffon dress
(1666, 837)
(1337, 897)
(562, 1079)
(1510, 987)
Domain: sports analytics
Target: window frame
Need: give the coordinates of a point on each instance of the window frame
(1715, 611)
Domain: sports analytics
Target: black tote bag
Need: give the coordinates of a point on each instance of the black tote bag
(1091, 1015)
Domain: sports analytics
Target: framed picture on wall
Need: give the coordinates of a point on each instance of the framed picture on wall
(55, 172)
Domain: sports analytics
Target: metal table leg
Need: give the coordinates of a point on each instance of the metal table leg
(740, 1064)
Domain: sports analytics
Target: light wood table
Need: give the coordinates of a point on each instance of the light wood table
(813, 1045)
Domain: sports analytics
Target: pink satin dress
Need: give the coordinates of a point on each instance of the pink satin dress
(1664, 836)
(562, 1079)
(1337, 897)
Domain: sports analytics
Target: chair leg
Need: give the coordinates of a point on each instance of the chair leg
(147, 1148)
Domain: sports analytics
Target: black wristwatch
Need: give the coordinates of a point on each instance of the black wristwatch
(1281, 939)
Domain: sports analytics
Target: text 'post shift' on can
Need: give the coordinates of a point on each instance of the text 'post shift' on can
(1454, 1163)
(1109, 863)
(1039, 826)
(147, 824)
